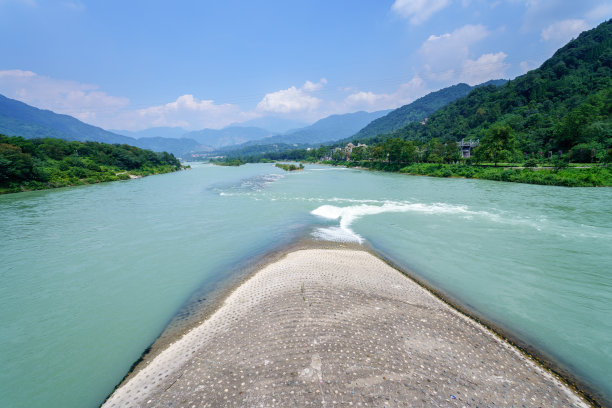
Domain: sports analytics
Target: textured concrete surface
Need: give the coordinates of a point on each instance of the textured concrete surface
(339, 328)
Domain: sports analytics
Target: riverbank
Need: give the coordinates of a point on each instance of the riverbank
(565, 177)
(325, 326)
(36, 185)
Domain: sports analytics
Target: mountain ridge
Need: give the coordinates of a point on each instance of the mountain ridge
(326, 130)
(417, 110)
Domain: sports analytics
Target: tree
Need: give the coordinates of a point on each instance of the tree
(359, 153)
(338, 155)
(393, 148)
(409, 152)
(322, 152)
(14, 164)
(378, 153)
(497, 144)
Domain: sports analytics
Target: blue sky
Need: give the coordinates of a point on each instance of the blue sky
(196, 64)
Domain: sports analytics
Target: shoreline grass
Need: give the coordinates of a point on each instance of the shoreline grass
(592, 176)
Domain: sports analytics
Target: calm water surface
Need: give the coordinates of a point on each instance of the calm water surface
(92, 275)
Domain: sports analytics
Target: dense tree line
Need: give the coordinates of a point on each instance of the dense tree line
(443, 159)
(48, 162)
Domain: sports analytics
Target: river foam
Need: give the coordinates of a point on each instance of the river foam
(347, 215)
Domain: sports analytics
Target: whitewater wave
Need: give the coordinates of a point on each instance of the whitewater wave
(347, 215)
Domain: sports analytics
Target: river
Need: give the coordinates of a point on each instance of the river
(92, 275)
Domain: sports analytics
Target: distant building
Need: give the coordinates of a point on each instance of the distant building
(467, 146)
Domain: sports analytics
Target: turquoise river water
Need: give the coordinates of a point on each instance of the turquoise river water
(90, 276)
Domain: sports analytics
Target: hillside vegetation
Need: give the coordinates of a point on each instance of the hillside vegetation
(34, 164)
(416, 111)
(563, 106)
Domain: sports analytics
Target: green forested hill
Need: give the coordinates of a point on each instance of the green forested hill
(563, 105)
(34, 164)
(415, 111)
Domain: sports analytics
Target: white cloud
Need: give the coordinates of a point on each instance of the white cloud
(362, 98)
(312, 87)
(563, 31)
(186, 111)
(83, 101)
(292, 100)
(418, 10)
(446, 57)
(486, 67)
(370, 101)
(449, 47)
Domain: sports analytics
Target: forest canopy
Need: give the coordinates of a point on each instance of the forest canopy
(32, 164)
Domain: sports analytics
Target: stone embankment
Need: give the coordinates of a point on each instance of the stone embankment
(339, 327)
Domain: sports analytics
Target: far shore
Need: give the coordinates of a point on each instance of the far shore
(329, 323)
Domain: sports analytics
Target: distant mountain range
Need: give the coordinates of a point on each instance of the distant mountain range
(329, 129)
(228, 136)
(20, 119)
(167, 132)
(326, 130)
(210, 138)
(274, 124)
